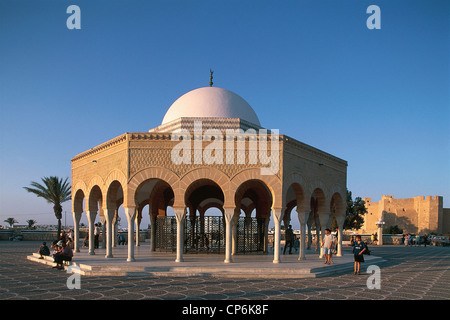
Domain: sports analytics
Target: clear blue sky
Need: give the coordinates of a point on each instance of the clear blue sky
(378, 99)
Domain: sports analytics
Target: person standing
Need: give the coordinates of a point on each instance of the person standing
(289, 235)
(358, 249)
(96, 236)
(327, 242)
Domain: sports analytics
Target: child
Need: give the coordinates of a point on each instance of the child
(358, 248)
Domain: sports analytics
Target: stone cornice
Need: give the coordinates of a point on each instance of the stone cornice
(149, 136)
(101, 147)
(207, 123)
(168, 135)
(291, 142)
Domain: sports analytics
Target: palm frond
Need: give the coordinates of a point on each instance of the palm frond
(53, 189)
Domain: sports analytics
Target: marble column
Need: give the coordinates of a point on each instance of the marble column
(109, 215)
(91, 218)
(302, 218)
(76, 230)
(234, 223)
(115, 228)
(138, 224)
(103, 221)
(278, 218)
(266, 235)
(180, 215)
(309, 224)
(130, 213)
(323, 219)
(229, 214)
(153, 219)
(340, 223)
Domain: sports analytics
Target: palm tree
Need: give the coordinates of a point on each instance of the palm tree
(55, 191)
(31, 223)
(10, 221)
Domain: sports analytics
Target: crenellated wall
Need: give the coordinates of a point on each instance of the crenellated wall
(423, 214)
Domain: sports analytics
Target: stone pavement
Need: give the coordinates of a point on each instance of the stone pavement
(408, 273)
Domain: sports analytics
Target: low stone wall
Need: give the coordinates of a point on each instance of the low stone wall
(46, 235)
(388, 239)
(393, 239)
(5, 234)
(35, 235)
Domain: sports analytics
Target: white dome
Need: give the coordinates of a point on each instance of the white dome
(211, 102)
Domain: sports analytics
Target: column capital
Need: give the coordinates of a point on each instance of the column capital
(130, 213)
(340, 220)
(229, 213)
(180, 213)
(278, 214)
(77, 216)
(109, 215)
(323, 219)
(303, 217)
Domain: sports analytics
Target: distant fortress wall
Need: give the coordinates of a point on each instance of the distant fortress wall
(414, 215)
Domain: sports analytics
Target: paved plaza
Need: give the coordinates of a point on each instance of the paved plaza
(407, 273)
(247, 266)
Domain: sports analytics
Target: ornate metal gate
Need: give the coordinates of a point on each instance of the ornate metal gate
(250, 235)
(166, 234)
(207, 235)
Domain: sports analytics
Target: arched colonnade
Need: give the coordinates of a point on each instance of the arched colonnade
(200, 189)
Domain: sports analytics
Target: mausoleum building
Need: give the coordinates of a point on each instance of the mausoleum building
(209, 151)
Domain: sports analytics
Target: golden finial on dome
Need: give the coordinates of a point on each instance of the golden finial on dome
(210, 77)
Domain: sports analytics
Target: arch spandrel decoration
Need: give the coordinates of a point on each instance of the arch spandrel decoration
(337, 205)
(272, 182)
(208, 173)
(114, 176)
(76, 205)
(160, 173)
(95, 199)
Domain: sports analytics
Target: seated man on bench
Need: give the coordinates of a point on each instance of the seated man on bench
(65, 254)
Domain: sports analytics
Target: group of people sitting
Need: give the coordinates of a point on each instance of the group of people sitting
(61, 251)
